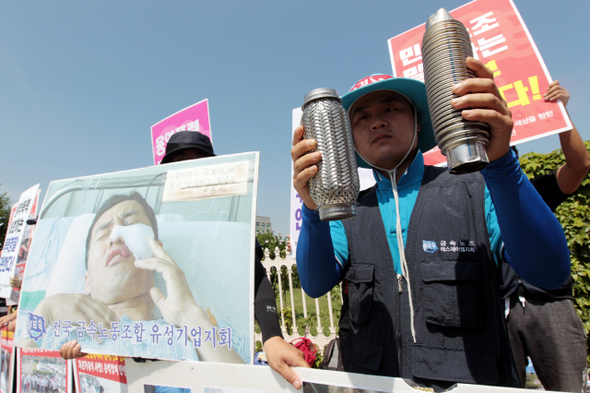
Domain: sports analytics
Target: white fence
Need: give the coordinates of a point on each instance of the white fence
(320, 339)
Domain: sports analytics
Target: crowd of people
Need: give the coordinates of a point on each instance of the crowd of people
(42, 382)
(413, 308)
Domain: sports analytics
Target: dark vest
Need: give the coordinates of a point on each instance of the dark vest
(459, 325)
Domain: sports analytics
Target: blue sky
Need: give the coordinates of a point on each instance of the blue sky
(82, 82)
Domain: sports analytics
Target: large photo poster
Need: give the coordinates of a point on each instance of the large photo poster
(501, 40)
(14, 250)
(155, 263)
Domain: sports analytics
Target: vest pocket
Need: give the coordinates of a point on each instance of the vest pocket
(363, 355)
(452, 293)
(360, 291)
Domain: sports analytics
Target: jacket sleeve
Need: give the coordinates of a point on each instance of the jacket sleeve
(265, 305)
(319, 269)
(535, 245)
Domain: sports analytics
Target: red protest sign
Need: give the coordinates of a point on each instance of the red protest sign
(501, 40)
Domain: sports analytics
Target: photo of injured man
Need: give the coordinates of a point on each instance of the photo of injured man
(153, 263)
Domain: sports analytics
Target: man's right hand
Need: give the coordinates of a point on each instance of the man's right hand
(71, 350)
(75, 307)
(304, 165)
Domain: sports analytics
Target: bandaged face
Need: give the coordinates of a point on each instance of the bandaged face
(135, 238)
(119, 237)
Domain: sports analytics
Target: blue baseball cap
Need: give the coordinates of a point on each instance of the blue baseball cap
(412, 89)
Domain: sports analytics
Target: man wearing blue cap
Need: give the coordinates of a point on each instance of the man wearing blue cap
(421, 255)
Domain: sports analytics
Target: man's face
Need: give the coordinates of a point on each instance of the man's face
(187, 154)
(112, 276)
(382, 127)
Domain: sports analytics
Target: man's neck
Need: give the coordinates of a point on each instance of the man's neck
(139, 308)
(402, 168)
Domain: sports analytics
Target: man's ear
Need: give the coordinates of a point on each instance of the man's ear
(87, 284)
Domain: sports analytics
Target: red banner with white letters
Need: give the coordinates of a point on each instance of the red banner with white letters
(104, 371)
(502, 42)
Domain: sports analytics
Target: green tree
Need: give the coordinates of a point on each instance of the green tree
(4, 216)
(574, 216)
(268, 240)
(271, 241)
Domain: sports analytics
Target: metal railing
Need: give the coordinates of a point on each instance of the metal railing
(279, 265)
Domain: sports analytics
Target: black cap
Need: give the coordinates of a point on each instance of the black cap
(188, 140)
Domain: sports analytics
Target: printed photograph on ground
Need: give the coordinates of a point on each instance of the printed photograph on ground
(41, 371)
(153, 263)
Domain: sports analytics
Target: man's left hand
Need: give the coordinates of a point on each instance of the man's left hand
(557, 92)
(180, 305)
(180, 308)
(16, 281)
(481, 101)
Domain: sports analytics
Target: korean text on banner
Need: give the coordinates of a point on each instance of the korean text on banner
(17, 228)
(100, 371)
(193, 118)
(503, 43)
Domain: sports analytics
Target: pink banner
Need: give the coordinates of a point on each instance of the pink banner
(500, 40)
(193, 118)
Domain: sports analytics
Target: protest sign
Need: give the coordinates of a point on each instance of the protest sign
(184, 377)
(193, 118)
(7, 361)
(14, 250)
(155, 262)
(501, 40)
(100, 373)
(39, 370)
(26, 242)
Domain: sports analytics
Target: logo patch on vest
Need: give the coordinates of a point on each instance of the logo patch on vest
(453, 246)
(429, 246)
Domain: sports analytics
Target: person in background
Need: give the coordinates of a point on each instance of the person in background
(189, 145)
(9, 318)
(543, 324)
(421, 254)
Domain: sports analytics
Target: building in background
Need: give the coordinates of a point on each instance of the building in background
(263, 224)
